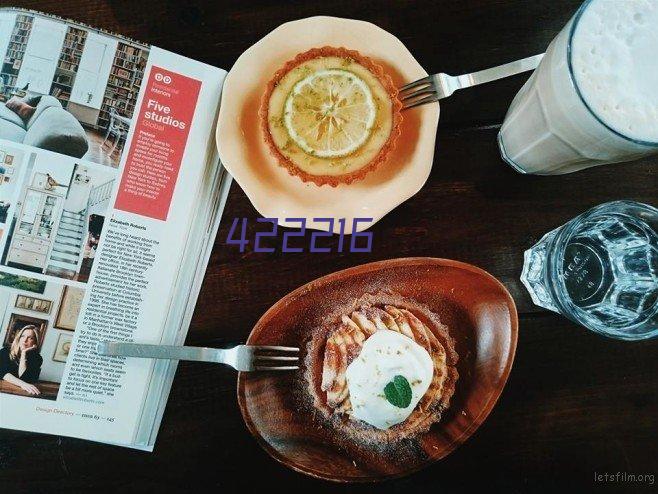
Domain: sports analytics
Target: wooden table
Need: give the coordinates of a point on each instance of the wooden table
(576, 404)
(48, 390)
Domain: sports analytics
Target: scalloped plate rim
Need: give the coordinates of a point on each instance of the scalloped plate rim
(259, 200)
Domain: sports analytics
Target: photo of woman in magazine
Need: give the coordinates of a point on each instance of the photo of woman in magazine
(37, 323)
(20, 364)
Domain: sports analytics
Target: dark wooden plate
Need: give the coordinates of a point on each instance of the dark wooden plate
(482, 318)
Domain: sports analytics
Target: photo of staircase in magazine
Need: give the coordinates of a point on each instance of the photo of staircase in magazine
(55, 214)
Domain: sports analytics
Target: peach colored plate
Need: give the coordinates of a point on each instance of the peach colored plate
(481, 317)
(272, 191)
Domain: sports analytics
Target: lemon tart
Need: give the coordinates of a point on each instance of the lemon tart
(330, 116)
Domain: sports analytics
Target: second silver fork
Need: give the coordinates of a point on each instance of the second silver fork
(244, 358)
(438, 86)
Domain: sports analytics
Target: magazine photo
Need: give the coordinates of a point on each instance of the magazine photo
(55, 213)
(37, 323)
(67, 89)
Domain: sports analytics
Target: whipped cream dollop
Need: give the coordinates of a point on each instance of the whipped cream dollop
(385, 355)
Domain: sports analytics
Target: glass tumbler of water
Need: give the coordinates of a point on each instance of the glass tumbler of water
(600, 270)
(593, 99)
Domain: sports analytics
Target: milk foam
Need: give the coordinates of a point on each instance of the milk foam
(615, 64)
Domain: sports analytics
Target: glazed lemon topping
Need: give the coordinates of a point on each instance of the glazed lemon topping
(329, 116)
(330, 113)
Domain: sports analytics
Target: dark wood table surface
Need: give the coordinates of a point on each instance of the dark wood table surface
(576, 404)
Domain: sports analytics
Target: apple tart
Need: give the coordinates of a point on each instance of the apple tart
(330, 116)
(387, 369)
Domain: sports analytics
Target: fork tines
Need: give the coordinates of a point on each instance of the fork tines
(275, 356)
(418, 93)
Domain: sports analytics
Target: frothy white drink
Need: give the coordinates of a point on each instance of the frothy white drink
(615, 64)
(594, 98)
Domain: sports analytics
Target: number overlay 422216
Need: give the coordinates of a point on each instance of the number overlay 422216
(238, 235)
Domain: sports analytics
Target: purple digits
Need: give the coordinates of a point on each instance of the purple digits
(355, 243)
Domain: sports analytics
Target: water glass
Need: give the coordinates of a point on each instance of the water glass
(600, 270)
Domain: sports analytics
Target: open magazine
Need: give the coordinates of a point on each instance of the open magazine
(111, 192)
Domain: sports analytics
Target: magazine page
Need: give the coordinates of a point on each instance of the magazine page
(181, 307)
(106, 152)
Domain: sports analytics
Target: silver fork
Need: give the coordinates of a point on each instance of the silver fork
(242, 357)
(438, 86)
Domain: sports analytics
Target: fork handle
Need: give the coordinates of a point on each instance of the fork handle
(198, 354)
(499, 72)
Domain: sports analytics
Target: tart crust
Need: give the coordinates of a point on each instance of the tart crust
(384, 152)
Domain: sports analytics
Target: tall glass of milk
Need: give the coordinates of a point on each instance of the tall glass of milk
(594, 98)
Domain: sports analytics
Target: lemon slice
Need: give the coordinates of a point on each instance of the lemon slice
(330, 113)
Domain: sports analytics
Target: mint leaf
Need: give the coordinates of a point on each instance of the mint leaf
(398, 392)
